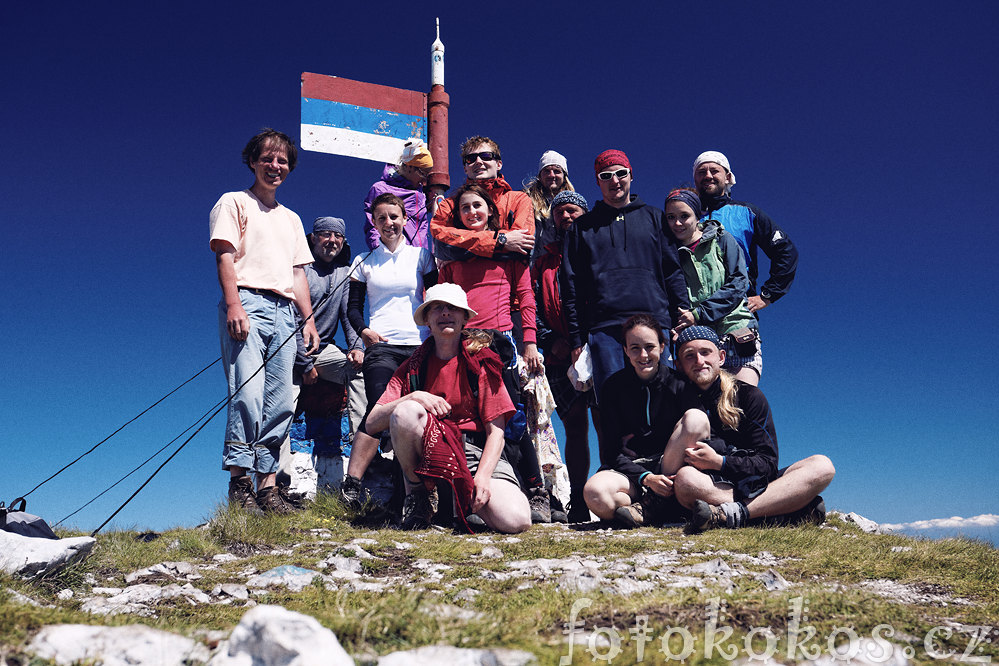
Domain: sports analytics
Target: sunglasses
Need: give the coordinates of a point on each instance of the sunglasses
(487, 156)
(607, 175)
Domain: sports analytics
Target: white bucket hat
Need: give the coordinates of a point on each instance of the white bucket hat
(445, 292)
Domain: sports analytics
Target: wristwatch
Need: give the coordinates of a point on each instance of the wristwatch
(500, 241)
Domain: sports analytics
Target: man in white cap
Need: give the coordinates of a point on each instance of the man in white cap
(446, 408)
(750, 226)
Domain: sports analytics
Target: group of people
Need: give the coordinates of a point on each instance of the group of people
(494, 292)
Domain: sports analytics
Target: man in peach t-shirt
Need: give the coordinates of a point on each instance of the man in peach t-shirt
(260, 249)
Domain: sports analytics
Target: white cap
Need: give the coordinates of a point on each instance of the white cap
(717, 158)
(443, 292)
(550, 157)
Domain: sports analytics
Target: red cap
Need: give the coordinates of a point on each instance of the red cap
(610, 158)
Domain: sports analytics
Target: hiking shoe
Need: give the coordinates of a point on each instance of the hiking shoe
(578, 512)
(270, 501)
(815, 512)
(296, 502)
(475, 523)
(630, 516)
(419, 508)
(241, 495)
(541, 510)
(705, 516)
(352, 492)
(557, 510)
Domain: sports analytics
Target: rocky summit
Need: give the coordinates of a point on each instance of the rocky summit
(340, 594)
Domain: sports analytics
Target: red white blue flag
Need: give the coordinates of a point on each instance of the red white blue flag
(355, 119)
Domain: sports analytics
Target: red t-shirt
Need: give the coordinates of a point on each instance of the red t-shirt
(449, 381)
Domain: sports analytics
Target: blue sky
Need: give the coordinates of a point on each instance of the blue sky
(866, 131)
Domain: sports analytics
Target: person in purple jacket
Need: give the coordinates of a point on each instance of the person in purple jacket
(406, 181)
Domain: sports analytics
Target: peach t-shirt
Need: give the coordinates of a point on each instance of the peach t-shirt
(269, 242)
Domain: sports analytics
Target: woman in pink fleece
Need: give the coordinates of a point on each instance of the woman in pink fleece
(491, 284)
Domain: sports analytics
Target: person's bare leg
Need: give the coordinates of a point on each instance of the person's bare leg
(507, 510)
(748, 375)
(363, 451)
(692, 427)
(606, 491)
(692, 484)
(407, 424)
(796, 488)
(266, 480)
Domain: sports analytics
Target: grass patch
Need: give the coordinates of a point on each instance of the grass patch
(824, 566)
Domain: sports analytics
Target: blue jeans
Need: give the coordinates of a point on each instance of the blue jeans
(607, 355)
(260, 414)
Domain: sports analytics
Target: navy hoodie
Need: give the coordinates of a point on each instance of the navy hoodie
(619, 262)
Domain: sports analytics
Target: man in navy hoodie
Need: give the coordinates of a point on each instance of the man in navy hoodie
(619, 260)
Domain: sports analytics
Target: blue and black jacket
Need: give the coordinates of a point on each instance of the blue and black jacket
(753, 228)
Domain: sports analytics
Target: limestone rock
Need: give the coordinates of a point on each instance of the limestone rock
(773, 581)
(865, 652)
(292, 577)
(275, 636)
(580, 581)
(115, 646)
(171, 569)
(30, 557)
(865, 524)
(435, 655)
(136, 599)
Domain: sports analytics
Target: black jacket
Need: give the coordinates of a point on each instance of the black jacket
(649, 412)
(751, 450)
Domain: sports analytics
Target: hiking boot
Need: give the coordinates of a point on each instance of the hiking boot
(630, 516)
(541, 509)
(475, 523)
(705, 516)
(815, 511)
(352, 492)
(241, 495)
(557, 510)
(419, 508)
(297, 503)
(270, 501)
(578, 511)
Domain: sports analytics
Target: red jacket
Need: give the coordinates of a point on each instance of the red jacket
(516, 212)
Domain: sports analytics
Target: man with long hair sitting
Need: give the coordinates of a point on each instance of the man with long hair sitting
(733, 480)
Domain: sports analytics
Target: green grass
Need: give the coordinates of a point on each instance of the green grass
(824, 567)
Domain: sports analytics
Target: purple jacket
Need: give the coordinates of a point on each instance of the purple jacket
(416, 230)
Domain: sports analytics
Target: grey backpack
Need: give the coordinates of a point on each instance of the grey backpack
(14, 519)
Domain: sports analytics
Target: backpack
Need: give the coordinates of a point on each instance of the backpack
(16, 521)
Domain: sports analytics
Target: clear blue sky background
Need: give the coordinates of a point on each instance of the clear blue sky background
(867, 130)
